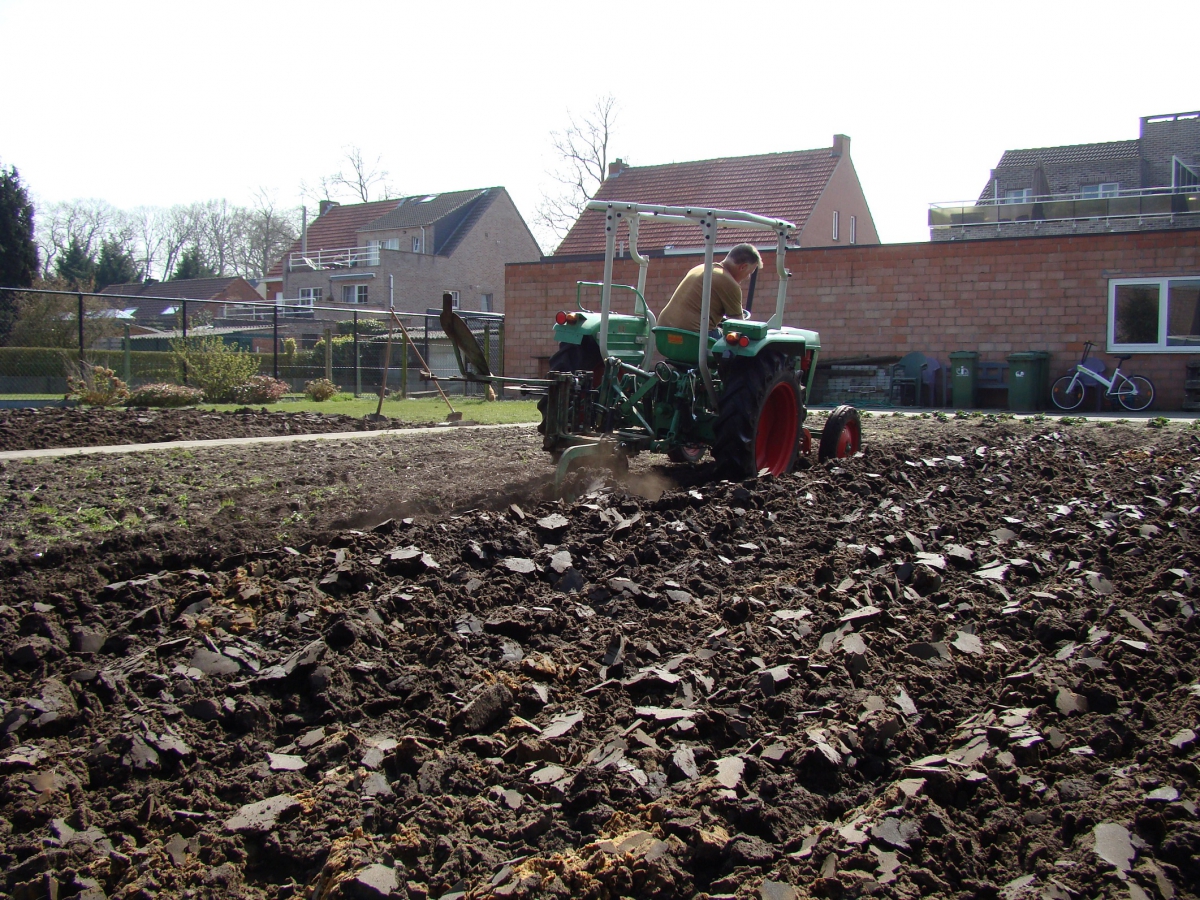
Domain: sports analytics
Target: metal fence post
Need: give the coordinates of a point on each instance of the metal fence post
(82, 373)
(357, 369)
(329, 354)
(500, 353)
(275, 342)
(128, 366)
(403, 366)
(183, 329)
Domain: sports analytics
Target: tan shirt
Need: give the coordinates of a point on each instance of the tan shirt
(683, 309)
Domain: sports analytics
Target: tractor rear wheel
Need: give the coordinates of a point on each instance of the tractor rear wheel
(759, 422)
(842, 435)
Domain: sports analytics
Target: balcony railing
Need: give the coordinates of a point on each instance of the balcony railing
(1145, 203)
(344, 258)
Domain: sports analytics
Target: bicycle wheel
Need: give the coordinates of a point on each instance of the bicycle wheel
(1067, 392)
(1136, 393)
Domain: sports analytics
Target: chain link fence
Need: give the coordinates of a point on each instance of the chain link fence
(59, 334)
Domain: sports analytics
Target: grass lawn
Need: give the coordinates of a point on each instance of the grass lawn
(424, 409)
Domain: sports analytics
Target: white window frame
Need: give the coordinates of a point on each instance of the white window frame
(1019, 195)
(835, 224)
(416, 244)
(487, 302)
(1161, 345)
(358, 294)
(1100, 191)
(853, 230)
(454, 295)
(309, 296)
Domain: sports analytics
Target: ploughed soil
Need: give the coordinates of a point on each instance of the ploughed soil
(48, 427)
(962, 664)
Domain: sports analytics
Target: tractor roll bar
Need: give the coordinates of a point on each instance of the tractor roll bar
(709, 220)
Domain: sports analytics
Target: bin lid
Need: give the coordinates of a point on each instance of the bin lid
(964, 354)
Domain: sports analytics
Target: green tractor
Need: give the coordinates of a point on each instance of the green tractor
(620, 384)
(740, 396)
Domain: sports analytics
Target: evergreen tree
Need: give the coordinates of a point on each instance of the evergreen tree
(75, 267)
(192, 265)
(115, 266)
(18, 251)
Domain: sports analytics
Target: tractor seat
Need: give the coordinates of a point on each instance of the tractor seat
(678, 344)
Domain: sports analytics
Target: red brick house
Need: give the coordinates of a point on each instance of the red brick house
(216, 297)
(457, 241)
(818, 190)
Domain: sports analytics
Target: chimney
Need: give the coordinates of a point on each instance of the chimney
(841, 145)
(326, 206)
(616, 167)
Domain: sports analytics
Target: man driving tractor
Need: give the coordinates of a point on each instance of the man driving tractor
(683, 309)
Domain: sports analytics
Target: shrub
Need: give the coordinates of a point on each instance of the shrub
(320, 389)
(165, 395)
(97, 387)
(216, 367)
(260, 389)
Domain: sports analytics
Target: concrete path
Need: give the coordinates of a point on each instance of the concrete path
(267, 439)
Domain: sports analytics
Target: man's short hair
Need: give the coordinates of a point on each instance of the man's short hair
(745, 253)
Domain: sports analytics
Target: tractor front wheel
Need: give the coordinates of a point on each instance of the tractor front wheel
(760, 418)
(686, 453)
(842, 434)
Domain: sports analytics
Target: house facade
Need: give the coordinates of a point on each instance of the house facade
(406, 251)
(1150, 183)
(818, 190)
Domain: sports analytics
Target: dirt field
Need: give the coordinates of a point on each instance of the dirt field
(962, 665)
(41, 429)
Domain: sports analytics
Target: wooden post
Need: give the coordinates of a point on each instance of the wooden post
(128, 366)
(500, 354)
(387, 361)
(329, 354)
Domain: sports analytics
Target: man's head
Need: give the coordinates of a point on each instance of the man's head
(741, 260)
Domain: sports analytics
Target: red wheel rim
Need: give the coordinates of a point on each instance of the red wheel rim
(805, 441)
(849, 440)
(777, 425)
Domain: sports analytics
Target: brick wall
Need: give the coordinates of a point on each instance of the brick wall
(996, 297)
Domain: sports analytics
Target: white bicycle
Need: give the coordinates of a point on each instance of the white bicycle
(1133, 392)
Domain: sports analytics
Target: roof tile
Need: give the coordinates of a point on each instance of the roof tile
(783, 185)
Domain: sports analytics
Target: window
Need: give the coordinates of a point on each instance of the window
(1154, 314)
(453, 294)
(354, 293)
(310, 296)
(1023, 195)
(1097, 191)
(416, 245)
(853, 231)
(835, 224)
(373, 248)
(485, 303)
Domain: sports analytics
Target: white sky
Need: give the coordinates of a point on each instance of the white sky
(175, 101)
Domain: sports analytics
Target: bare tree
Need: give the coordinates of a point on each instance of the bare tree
(582, 151)
(179, 228)
(264, 233)
(86, 222)
(358, 179)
